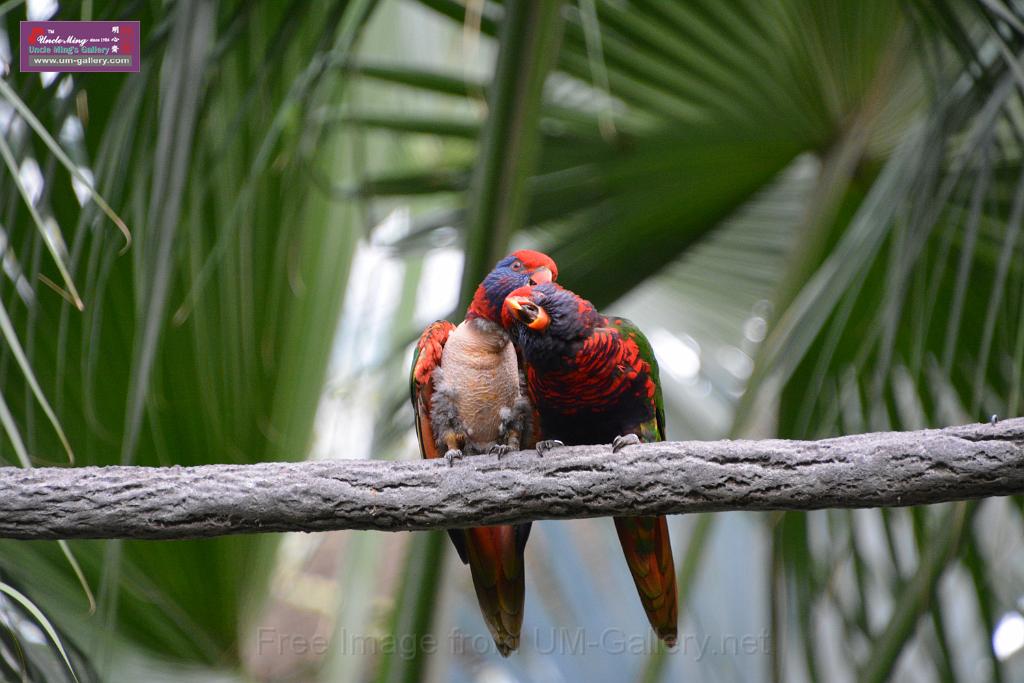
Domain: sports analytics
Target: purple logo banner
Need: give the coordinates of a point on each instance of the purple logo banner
(80, 46)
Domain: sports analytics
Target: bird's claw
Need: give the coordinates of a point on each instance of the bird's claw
(500, 449)
(624, 440)
(452, 455)
(547, 445)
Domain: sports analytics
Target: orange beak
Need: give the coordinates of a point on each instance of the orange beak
(528, 313)
(540, 276)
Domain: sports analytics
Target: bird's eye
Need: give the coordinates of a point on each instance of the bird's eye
(517, 265)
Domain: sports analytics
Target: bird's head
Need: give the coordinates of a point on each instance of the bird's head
(547, 319)
(518, 269)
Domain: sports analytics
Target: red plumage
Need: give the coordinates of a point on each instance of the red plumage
(494, 554)
(594, 379)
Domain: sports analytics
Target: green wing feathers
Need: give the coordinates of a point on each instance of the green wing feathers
(631, 333)
(645, 540)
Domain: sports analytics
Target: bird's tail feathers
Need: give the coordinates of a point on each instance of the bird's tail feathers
(496, 563)
(645, 543)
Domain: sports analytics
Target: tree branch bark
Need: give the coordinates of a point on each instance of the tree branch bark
(869, 470)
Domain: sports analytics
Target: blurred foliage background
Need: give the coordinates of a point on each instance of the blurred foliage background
(813, 208)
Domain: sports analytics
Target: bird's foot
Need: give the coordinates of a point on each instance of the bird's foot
(500, 449)
(547, 445)
(624, 440)
(452, 455)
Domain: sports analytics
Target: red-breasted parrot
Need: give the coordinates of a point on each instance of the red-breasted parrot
(468, 398)
(594, 380)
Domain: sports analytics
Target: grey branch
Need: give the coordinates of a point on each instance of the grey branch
(869, 470)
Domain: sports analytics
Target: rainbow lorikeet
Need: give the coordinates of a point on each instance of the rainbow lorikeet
(468, 397)
(594, 380)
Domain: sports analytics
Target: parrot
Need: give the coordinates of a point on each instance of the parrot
(468, 396)
(593, 379)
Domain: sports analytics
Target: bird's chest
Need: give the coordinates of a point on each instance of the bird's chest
(481, 377)
(592, 404)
